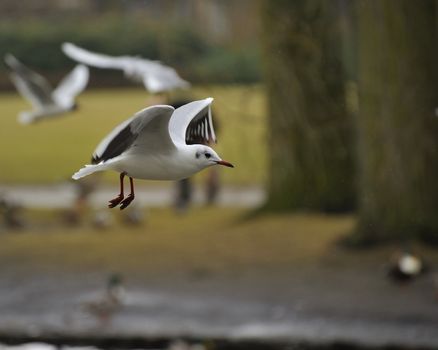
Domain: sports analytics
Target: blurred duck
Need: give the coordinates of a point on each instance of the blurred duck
(104, 308)
(405, 267)
(46, 101)
(155, 76)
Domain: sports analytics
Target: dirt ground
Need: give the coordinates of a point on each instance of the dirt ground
(211, 274)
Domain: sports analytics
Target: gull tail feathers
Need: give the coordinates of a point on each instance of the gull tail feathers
(87, 170)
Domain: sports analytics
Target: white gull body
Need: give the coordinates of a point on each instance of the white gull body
(159, 143)
(46, 102)
(155, 76)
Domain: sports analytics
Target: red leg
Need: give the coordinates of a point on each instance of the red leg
(131, 196)
(116, 201)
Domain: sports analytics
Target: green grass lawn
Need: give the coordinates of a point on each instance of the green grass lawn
(213, 239)
(209, 238)
(53, 150)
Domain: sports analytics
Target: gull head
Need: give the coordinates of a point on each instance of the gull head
(205, 156)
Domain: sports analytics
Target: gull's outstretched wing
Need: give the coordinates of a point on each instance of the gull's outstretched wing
(29, 84)
(93, 59)
(73, 84)
(155, 76)
(193, 123)
(147, 131)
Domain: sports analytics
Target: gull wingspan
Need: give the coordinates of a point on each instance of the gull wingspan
(93, 59)
(29, 84)
(73, 84)
(147, 131)
(193, 123)
(155, 76)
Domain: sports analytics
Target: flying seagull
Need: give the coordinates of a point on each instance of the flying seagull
(46, 101)
(157, 144)
(155, 76)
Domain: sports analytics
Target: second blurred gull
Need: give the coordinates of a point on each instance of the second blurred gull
(155, 76)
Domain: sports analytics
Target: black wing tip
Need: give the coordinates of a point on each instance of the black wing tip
(120, 143)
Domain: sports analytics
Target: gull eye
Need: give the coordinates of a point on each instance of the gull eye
(207, 155)
(197, 155)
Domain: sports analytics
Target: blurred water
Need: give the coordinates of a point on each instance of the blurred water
(150, 314)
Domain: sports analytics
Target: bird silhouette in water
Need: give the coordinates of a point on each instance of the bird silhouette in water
(104, 308)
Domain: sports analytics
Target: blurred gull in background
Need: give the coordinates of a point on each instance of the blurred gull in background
(154, 144)
(46, 101)
(155, 76)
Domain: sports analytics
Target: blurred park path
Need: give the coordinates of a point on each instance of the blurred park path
(63, 196)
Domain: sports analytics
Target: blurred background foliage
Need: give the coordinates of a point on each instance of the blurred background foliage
(199, 56)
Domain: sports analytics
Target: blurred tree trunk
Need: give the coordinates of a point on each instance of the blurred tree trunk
(310, 131)
(398, 131)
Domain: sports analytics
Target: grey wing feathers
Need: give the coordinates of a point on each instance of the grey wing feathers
(148, 127)
(31, 85)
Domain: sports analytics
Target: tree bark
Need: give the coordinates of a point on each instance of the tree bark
(310, 131)
(398, 130)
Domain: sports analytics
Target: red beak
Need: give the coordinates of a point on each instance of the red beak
(223, 162)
